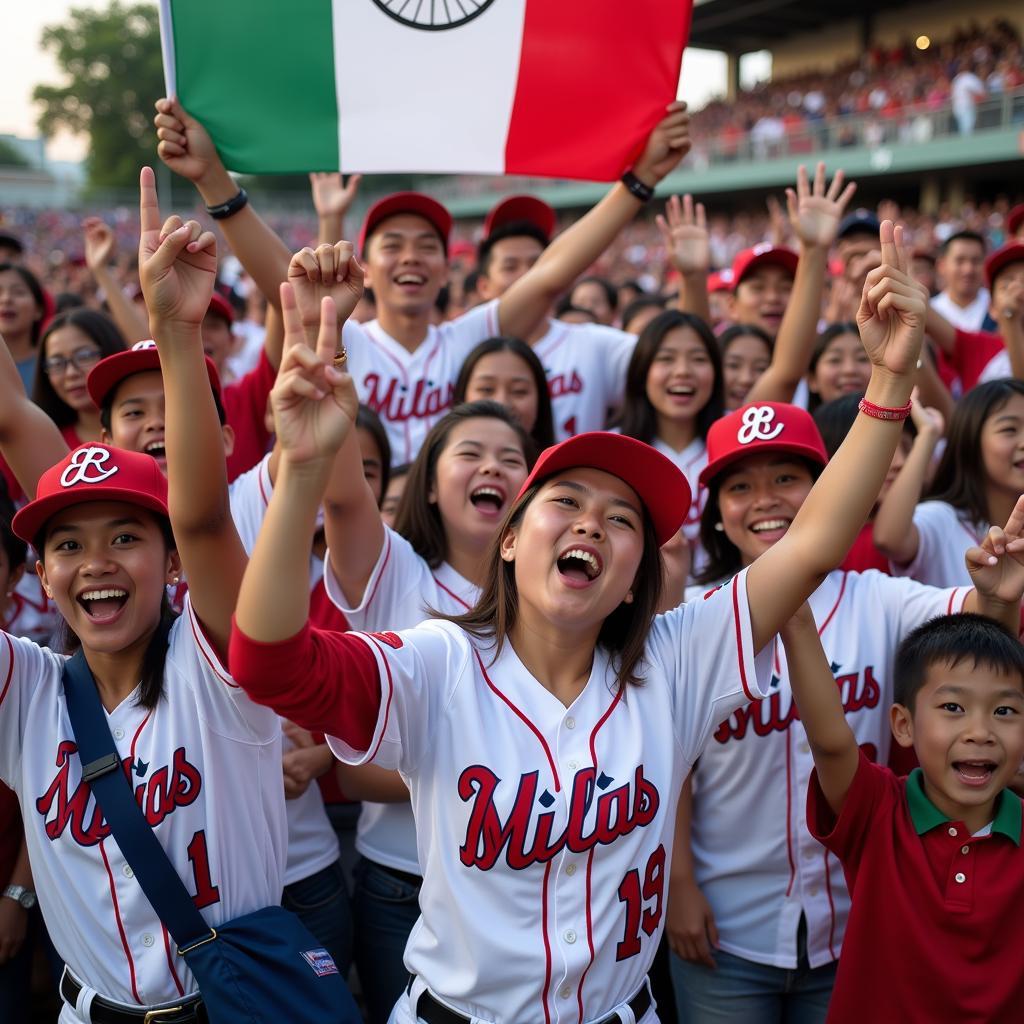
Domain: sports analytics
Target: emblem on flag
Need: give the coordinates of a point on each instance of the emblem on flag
(433, 15)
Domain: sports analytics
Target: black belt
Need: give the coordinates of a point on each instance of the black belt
(190, 1011)
(430, 1010)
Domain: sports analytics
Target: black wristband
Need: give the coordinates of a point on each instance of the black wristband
(637, 188)
(230, 208)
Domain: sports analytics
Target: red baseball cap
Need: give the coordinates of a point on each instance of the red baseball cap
(1014, 219)
(143, 355)
(659, 484)
(93, 472)
(720, 281)
(521, 208)
(761, 255)
(763, 427)
(406, 202)
(1012, 252)
(221, 306)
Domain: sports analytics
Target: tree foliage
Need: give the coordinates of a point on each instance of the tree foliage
(10, 156)
(112, 63)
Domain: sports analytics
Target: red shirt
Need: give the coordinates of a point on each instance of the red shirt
(934, 931)
(972, 352)
(245, 407)
(863, 555)
(10, 834)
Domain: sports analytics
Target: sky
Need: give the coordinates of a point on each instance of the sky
(23, 64)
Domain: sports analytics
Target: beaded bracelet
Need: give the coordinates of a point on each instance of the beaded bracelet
(883, 412)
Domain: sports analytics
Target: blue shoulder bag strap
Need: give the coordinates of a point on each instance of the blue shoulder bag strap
(102, 770)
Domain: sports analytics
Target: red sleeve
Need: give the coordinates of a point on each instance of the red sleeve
(245, 406)
(972, 352)
(324, 681)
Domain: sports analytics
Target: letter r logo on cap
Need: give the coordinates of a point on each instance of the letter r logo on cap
(758, 423)
(87, 467)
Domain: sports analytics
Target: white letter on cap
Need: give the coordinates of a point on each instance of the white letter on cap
(757, 425)
(77, 471)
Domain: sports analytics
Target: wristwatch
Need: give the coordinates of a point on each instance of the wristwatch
(25, 898)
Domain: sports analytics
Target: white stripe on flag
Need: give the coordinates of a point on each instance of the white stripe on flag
(167, 47)
(384, 70)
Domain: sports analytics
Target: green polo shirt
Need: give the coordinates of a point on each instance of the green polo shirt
(934, 933)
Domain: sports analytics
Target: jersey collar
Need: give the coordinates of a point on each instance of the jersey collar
(926, 816)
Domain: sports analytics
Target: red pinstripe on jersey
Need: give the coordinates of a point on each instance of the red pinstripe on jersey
(120, 925)
(519, 714)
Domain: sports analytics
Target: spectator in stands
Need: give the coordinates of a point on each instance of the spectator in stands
(599, 296)
(963, 300)
(967, 91)
(22, 312)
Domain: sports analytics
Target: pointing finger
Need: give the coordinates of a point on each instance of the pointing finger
(149, 205)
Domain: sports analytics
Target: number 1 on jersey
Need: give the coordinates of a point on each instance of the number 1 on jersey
(636, 897)
(206, 892)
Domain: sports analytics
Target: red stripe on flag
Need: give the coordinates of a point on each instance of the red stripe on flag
(595, 77)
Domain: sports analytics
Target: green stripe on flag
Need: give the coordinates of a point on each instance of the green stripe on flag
(259, 75)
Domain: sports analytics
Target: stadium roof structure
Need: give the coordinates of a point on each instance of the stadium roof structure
(742, 26)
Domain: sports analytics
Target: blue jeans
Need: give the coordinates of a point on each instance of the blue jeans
(322, 903)
(743, 992)
(385, 910)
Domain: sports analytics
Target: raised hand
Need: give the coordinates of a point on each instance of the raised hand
(814, 211)
(667, 144)
(184, 144)
(997, 565)
(330, 197)
(177, 262)
(892, 308)
(927, 420)
(684, 232)
(99, 244)
(327, 270)
(314, 403)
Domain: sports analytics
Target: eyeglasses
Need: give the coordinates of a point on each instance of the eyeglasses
(81, 359)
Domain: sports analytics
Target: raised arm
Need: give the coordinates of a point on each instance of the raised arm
(522, 307)
(684, 233)
(99, 254)
(29, 439)
(187, 149)
(332, 200)
(177, 267)
(815, 213)
(832, 742)
(891, 322)
(1010, 317)
(997, 572)
(894, 532)
(940, 330)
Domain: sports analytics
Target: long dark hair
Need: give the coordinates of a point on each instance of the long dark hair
(543, 432)
(33, 285)
(417, 518)
(822, 343)
(101, 330)
(724, 558)
(960, 478)
(154, 660)
(623, 634)
(638, 418)
(368, 420)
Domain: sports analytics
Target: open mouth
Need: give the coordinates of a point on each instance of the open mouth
(770, 526)
(579, 565)
(974, 773)
(156, 449)
(103, 605)
(488, 499)
(413, 280)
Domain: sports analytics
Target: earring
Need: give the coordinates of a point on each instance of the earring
(175, 579)
(719, 527)
(628, 599)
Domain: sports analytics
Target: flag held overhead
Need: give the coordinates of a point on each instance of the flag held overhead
(562, 89)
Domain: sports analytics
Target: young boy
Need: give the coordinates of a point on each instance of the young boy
(933, 860)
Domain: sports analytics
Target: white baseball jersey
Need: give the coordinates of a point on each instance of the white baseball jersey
(411, 391)
(690, 461)
(945, 534)
(312, 841)
(585, 365)
(754, 859)
(545, 831)
(31, 614)
(398, 595)
(206, 766)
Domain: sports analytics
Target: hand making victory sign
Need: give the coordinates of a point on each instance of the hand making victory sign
(997, 565)
(314, 403)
